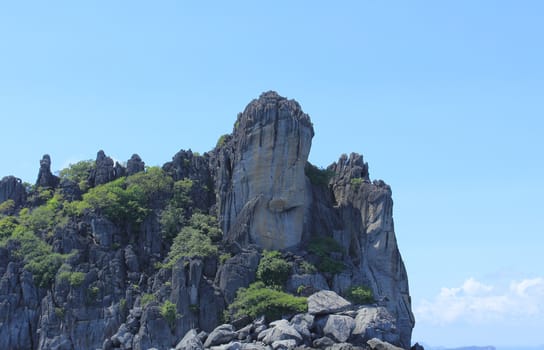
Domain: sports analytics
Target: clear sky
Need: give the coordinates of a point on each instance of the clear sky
(445, 99)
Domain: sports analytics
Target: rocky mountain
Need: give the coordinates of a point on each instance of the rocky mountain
(248, 246)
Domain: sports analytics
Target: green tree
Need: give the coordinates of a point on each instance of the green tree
(257, 300)
(273, 270)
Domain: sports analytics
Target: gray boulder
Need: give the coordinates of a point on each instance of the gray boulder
(286, 344)
(220, 335)
(338, 327)
(303, 323)
(190, 341)
(375, 322)
(280, 330)
(377, 344)
(326, 302)
(323, 342)
(314, 281)
(237, 272)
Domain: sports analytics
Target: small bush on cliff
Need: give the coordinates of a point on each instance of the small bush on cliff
(323, 247)
(38, 257)
(273, 270)
(169, 313)
(257, 300)
(360, 295)
(79, 173)
(318, 177)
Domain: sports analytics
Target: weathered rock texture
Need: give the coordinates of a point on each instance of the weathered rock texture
(12, 188)
(261, 173)
(256, 182)
(45, 176)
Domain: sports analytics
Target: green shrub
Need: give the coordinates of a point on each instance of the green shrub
(7, 206)
(59, 312)
(360, 295)
(147, 298)
(169, 313)
(123, 305)
(8, 224)
(206, 224)
(221, 140)
(172, 220)
(356, 182)
(154, 183)
(318, 177)
(306, 267)
(79, 173)
(273, 270)
(181, 196)
(75, 278)
(38, 257)
(257, 300)
(117, 201)
(329, 265)
(190, 242)
(224, 257)
(323, 247)
(92, 294)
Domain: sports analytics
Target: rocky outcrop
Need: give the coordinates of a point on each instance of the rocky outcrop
(105, 170)
(114, 289)
(46, 178)
(12, 188)
(368, 235)
(135, 165)
(262, 165)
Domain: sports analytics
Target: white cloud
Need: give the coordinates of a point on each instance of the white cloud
(475, 302)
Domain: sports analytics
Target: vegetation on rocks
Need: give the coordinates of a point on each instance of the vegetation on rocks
(258, 299)
(323, 247)
(317, 176)
(360, 295)
(273, 270)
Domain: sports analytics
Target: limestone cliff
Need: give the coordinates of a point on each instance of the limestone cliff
(261, 173)
(103, 276)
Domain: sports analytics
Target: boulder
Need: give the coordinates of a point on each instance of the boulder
(303, 323)
(190, 341)
(375, 322)
(315, 282)
(238, 271)
(220, 335)
(326, 302)
(280, 330)
(377, 344)
(323, 342)
(338, 327)
(286, 344)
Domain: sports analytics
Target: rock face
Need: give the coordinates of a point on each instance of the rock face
(135, 165)
(261, 170)
(45, 176)
(115, 287)
(12, 188)
(105, 170)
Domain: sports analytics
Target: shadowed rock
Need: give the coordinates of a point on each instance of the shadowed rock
(45, 176)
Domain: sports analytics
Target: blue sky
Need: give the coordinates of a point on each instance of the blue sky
(443, 98)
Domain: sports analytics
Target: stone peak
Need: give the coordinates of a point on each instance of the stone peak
(270, 107)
